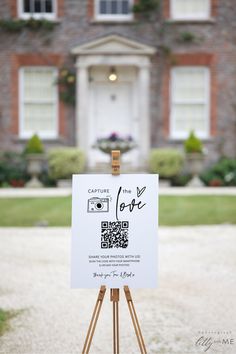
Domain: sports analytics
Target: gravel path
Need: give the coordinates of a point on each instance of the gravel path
(195, 298)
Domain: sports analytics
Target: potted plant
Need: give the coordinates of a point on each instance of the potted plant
(13, 169)
(115, 142)
(34, 153)
(195, 159)
(221, 173)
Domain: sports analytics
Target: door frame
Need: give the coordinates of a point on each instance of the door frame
(142, 63)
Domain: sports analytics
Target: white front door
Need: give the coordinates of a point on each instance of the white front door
(111, 110)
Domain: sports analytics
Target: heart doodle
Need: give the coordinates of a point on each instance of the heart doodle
(140, 191)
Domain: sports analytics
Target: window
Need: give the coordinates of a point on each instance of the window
(114, 9)
(37, 9)
(38, 102)
(190, 9)
(190, 101)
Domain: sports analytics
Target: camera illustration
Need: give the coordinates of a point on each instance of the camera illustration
(98, 205)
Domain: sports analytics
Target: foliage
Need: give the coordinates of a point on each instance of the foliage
(63, 162)
(67, 85)
(47, 180)
(187, 37)
(223, 173)
(145, 7)
(115, 137)
(34, 145)
(114, 141)
(193, 144)
(167, 162)
(18, 25)
(5, 316)
(180, 180)
(174, 210)
(13, 169)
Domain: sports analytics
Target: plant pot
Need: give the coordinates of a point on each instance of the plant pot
(195, 162)
(107, 147)
(34, 168)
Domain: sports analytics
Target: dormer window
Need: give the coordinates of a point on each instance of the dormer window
(37, 9)
(116, 10)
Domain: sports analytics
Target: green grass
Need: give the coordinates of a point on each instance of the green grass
(28, 211)
(173, 210)
(197, 210)
(5, 317)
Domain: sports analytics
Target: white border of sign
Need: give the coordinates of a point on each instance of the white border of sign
(114, 231)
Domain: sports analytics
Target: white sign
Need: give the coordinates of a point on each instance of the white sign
(114, 231)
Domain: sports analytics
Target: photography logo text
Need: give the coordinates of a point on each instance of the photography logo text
(210, 341)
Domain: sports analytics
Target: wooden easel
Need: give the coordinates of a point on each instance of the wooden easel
(114, 297)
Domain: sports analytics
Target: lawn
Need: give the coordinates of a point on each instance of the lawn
(173, 210)
(5, 317)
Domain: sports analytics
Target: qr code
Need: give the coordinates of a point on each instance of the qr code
(114, 234)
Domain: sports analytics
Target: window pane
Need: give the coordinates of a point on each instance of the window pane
(189, 111)
(189, 117)
(125, 7)
(189, 85)
(190, 8)
(114, 7)
(103, 7)
(39, 84)
(26, 6)
(38, 6)
(39, 118)
(48, 6)
(39, 99)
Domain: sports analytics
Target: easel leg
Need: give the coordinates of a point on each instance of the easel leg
(135, 320)
(93, 321)
(115, 296)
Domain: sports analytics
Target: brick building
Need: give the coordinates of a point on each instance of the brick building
(175, 69)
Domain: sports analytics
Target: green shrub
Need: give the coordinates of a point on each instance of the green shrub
(167, 162)
(63, 162)
(180, 180)
(223, 173)
(18, 25)
(13, 169)
(187, 37)
(34, 145)
(47, 180)
(193, 144)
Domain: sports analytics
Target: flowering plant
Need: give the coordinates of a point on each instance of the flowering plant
(67, 83)
(115, 142)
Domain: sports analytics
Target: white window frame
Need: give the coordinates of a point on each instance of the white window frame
(112, 17)
(191, 16)
(50, 134)
(48, 16)
(184, 134)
